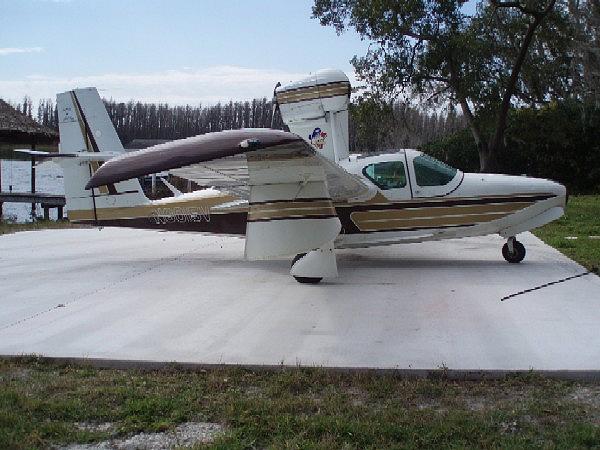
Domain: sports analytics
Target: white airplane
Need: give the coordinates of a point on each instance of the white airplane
(293, 193)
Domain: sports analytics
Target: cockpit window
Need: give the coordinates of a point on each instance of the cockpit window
(431, 172)
(386, 175)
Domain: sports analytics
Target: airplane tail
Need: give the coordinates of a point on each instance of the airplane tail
(316, 108)
(87, 138)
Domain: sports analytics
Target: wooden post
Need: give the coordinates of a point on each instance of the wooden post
(0, 187)
(59, 213)
(33, 186)
(46, 212)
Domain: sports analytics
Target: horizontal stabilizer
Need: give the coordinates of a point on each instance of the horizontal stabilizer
(40, 154)
(84, 156)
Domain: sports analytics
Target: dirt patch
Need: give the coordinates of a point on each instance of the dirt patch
(95, 427)
(186, 434)
(588, 395)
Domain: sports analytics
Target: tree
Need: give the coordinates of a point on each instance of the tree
(585, 16)
(507, 52)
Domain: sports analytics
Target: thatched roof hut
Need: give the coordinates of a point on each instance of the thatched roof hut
(18, 128)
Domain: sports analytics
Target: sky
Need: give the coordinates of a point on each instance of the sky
(175, 51)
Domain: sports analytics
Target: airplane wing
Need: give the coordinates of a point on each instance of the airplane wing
(289, 186)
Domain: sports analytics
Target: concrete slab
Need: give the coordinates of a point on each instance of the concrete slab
(147, 295)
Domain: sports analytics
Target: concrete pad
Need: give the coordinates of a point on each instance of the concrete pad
(148, 295)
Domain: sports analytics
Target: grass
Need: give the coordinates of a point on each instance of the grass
(12, 227)
(581, 221)
(41, 404)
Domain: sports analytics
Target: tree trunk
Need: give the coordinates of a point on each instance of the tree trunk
(488, 158)
(497, 142)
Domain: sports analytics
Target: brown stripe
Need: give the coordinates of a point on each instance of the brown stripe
(274, 202)
(90, 141)
(322, 85)
(440, 202)
(310, 217)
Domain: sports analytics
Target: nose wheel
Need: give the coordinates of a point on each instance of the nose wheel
(513, 251)
(305, 280)
(312, 267)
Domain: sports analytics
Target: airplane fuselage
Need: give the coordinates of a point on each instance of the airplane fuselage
(414, 198)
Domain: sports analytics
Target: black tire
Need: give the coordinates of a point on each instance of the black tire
(517, 255)
(305, 280)
(308, 280)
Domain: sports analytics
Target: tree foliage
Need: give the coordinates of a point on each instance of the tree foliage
(373, 125)
(377, 125)
(508, 53)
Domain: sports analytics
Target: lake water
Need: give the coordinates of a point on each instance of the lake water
(48, 179)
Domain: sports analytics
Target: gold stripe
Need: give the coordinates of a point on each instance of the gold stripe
(321, 88)
(310, 96)
(290, 205)
(399, 224)
(95, 165)
(144, 211)
(291, 213)
(425, 212)
(314, 92)
(380, 199)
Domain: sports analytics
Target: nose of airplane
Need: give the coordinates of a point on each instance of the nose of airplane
(549, 187)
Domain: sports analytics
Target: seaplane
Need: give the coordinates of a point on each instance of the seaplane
(296, 194)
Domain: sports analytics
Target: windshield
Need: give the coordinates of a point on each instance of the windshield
(431, 172)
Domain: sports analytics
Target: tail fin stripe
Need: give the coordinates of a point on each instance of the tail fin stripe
(91, 141)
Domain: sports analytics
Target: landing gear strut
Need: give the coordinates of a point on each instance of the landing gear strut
(513, 251)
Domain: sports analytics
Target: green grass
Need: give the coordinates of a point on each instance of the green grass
(582, 220)
(42, 403)
(11, 227)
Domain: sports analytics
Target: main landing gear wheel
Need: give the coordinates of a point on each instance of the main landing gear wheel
(513, 251)
(305, 280)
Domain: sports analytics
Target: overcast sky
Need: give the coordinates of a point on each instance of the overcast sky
(176, 51)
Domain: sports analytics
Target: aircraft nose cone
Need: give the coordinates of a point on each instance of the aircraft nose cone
(552, 187)
(557, 188)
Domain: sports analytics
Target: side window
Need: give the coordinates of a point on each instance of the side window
(431, 172)
(386, 175)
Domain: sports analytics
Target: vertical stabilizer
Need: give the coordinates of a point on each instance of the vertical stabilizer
(316, 108)
(85, 127)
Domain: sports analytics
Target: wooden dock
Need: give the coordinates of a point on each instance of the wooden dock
(47, 201)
